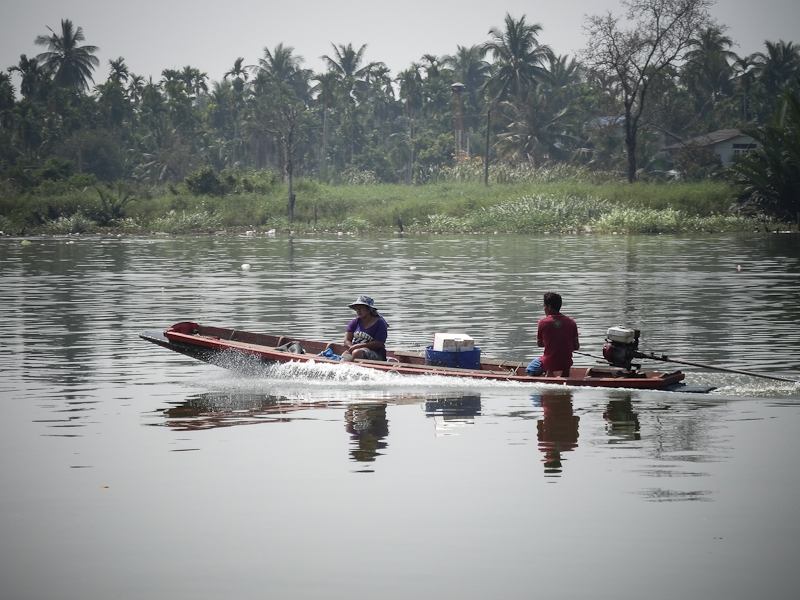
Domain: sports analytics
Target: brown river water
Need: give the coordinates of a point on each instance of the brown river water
(132, 472)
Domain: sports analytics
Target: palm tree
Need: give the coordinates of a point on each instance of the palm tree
(325, 90)
(281, 66)
(380, 99)
(562, 72)
(778, 66)
(136, 85)
(537, 130)
(708, 70)
(347, 66)
(238, 74)
(518, 58)
(353, 87)
(6, 101)
(34, 78)
(194, 80)
(770, 175)
(431, 64)
(70, 63)
(743, 80)
(119, 70)
(469, 68)
(411, 94)
(281, 103)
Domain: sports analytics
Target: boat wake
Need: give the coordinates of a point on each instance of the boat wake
(743, 386)
(299, 379)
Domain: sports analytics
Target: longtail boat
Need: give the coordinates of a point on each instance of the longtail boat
(207, 343)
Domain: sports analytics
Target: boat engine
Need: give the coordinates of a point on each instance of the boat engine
(621, 347)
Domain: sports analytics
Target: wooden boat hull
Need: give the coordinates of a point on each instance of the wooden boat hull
(205, 343)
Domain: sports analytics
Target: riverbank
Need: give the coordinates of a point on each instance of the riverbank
(448, 207)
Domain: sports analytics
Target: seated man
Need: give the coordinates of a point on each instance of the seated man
(558, 335)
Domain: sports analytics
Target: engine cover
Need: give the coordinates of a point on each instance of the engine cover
(621, 347)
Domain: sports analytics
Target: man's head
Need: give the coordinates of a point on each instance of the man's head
(552, 301)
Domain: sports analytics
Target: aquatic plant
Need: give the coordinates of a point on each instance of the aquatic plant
(77, 223)
(540, 213)
(185, 223)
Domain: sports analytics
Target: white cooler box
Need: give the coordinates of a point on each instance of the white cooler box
(452, 342)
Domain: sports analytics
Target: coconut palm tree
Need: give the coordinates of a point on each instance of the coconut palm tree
(281, 66)
(411, 95)
(469, 68)
(70, 63)
(777, 66)
(280, 107)
(347, 64)
(325, 96)
(537, 129)
(707, 70)
(519, 58)
(351, 74)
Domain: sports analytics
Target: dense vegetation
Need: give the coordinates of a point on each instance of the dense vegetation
(127, 151)
(555, 200)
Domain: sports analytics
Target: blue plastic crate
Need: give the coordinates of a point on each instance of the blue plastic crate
(464, 359)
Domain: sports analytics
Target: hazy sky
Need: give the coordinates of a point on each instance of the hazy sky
(154, 35)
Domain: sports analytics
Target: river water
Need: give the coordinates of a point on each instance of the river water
(132, 472)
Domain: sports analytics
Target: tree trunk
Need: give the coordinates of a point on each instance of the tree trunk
(630, 143)
(630, 148)
(324, 157)
(410, 175)
(486, 156)
(289, 160)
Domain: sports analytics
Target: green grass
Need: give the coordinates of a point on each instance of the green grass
(570, 205)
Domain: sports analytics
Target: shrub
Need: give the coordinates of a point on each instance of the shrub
(640, 220)
(540, 213)
(111, 204)
(446, 224)
(77, 223)
(354, 224)
(205, 182)
(770, 176)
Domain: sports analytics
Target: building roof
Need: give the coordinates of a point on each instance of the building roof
(708, 139)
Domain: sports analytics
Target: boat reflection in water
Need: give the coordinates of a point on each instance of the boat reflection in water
(622, 423)
(452, 412)
(368, 427)
(219, 409)
(557, 430)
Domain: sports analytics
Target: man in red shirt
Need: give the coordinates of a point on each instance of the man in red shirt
(558, 335)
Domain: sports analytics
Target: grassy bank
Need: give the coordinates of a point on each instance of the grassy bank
(457, 207)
